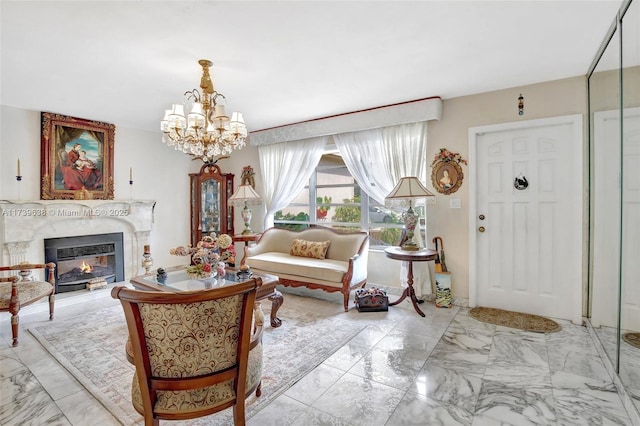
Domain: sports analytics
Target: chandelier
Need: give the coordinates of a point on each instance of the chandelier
(206, 131)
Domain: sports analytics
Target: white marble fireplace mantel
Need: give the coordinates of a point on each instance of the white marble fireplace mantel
(24, 225)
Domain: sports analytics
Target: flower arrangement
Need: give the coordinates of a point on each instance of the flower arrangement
(208, 256)
(447, 156)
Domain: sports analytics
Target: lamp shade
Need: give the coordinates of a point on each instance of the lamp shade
(245, 194)
(409, 188)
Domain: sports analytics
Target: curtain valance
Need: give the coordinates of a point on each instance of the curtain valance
(391, 115)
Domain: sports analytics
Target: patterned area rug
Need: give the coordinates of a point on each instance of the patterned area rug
(518, 320)
(91, 348)
(632, 338)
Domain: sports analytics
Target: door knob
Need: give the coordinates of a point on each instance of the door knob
(481, 229)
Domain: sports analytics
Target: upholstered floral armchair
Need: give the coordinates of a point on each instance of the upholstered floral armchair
(196, 353)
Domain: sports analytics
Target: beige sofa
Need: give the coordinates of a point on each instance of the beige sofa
(343, 268)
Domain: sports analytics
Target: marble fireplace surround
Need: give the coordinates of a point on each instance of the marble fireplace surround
(24, 225)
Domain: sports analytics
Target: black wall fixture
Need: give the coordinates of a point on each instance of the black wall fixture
(520, 183)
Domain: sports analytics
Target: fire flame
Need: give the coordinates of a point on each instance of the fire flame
(85, 267)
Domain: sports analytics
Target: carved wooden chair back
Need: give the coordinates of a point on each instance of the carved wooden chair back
(190, 350)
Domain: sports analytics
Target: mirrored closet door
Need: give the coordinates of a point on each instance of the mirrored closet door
(614, 116)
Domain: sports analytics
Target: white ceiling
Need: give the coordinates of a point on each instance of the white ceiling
(281, 62)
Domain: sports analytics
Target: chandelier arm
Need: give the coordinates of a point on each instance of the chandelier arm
(193, 94)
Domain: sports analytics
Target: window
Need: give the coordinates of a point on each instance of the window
(333, 199)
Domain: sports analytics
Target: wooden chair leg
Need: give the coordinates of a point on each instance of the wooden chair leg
(52, 299)
(15, 321)
(14, 308)
(238, 413)
(259, 389)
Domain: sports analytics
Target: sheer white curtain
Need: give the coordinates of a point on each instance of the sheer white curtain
(378, 158)
(286, 169)
(364, 154)
(406, 150)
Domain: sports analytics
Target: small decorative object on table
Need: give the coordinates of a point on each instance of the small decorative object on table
(371, 300)
(161, 275)
(221, 269)
(207, 255)
(244, 273)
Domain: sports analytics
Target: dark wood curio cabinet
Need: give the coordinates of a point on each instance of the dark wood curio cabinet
(210, 212)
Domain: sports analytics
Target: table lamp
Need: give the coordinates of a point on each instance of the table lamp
(407, 190)
(245, 194)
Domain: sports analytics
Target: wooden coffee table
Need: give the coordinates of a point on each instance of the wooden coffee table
(177, 281)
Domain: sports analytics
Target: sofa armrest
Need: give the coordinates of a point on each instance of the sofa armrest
(273, 239)
(358, 265)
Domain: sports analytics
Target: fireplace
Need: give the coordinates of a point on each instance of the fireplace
(24, 225)
(80, 259)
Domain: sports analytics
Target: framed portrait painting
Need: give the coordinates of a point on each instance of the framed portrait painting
(446, 177)
(76, 158)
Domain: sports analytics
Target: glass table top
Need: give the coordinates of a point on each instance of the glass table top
(179, 280)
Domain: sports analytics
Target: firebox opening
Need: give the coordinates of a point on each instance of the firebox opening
(83, 258)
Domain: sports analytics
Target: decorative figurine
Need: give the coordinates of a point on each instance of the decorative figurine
(161, 276)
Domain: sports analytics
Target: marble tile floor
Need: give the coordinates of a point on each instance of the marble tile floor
(445, 369)
(629, 360)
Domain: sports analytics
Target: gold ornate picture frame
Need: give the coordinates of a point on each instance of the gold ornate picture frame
(76, 158)
(446, 177)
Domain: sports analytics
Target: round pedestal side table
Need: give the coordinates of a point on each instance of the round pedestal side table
(422, 255)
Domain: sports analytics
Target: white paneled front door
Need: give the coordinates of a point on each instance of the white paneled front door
(526, 217)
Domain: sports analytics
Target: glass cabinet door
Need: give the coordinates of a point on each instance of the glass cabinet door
(210, 206)
(210, 212)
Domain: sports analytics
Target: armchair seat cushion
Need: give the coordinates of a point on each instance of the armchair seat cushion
(29, 291)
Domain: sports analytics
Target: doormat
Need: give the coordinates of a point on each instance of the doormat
(632, 338)
(527, 322)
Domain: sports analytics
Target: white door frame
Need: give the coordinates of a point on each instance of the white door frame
(577, 201)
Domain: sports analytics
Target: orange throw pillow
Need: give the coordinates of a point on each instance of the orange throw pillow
(314, 249)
